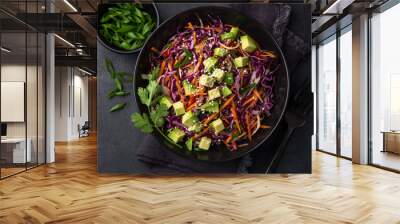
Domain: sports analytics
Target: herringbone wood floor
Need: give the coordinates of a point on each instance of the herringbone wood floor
(71, 191)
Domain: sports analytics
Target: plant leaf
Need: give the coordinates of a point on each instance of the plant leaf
(158, 115)
(118, 85)
(246, 89)
(152, 89)
(144, 96)
(110, 68)
(118, 106)
(154, 73)
(142, 122)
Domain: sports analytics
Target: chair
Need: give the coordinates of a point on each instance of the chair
(84, 130)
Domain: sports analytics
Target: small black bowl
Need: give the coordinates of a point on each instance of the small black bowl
(103, 8)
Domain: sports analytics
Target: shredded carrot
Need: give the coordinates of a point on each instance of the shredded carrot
(201, 133)
(268, 54)
(265, 126)
(241, 75)
(155, 50)
(196, 68)
(252, 104)
(195, 81)
(190, 107)
(190, 26)
(167, 81)
(235, 117)
(227, 145)
(210, 118)
(178, 85)
(201, 90)
(253, 125)
(192, 99)
(225, 121)
(227, 102)
(227, 140)
(258, 95)
(170, 65)
(230, 48)
(194, 38)
(162, 67)
(191, 103)
(248, 126)
(251, 99)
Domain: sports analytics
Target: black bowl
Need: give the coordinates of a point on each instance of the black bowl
(230, 16)
(103, 8)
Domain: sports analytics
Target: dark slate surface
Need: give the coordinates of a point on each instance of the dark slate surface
(118, 140)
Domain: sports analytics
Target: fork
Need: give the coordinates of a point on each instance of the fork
(299, 107)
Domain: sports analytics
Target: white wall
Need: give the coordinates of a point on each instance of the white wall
(16, 73)
(71, 102)
(33, 127)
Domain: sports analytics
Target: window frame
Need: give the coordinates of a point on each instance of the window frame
(334, 37)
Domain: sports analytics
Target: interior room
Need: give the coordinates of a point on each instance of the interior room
(242, 111)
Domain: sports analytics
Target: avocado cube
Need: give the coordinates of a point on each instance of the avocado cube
(189, 144)
(188, 119)
(217, 125)
(166, 101)
(227, 35)
(189, 88)
(205, 143)
(234, 31)
(176, 135)
(241, 61)
(231, 34)
(211, 106)
(209, 63)
(206, 80)
(248, 44)
(196, 127)
(179, 108)
(226, 91)
(214, 93)
(218, 74)
(220, 52)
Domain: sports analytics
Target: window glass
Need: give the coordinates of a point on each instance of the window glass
(385, 89)
(346, 94)
(327, 96)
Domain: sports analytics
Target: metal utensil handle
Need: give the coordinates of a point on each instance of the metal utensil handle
(278, 154)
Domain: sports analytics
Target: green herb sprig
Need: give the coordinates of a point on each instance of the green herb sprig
(119, 78)
(155, 118)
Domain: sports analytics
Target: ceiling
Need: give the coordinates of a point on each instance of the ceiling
(75, 21)
(72, 20)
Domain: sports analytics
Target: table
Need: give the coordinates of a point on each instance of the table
(17, 149)
(391, 141)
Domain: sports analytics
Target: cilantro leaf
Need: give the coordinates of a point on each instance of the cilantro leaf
(158, 115)
(154, 73)
(152, 89)
(142, 122)
(143, 95)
